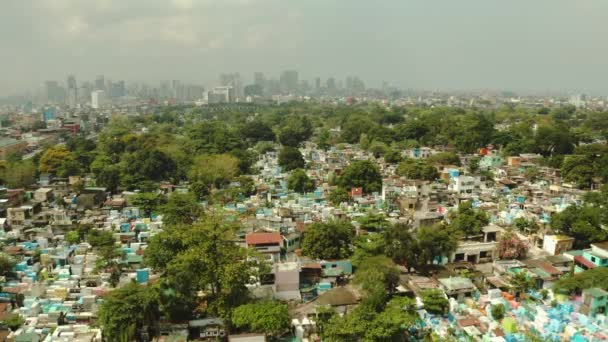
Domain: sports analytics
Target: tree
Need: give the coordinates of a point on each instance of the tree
(365, 246)
(72, 237)
(532, 174)
(324, 139)
(378, 277)
(436, 241)
(417, 169)
(101, 238)
(270, 318)
(401, 245)
(180, 209)
(378, 149)
(522, 282)
(295, 131)
(214, 171)
(498, 311)
(146, 165)
(338, 195)
(594, 277)
(53, 159)
(361, 173)
(299, 181)
(19, 174)
(473, 165)
(257, 130)
(510, 246)
(146, 201)
(331, 240)
(128, 311)
(393, 156)
(391, 323)
(579, 170)
(468, 220)
(202, 257)
(374, 222)
(290, 158)
(582, 222)
(435, 302)
(13, 321)
(525, 226)
(6, 263)
(354, 128)
(444, 158)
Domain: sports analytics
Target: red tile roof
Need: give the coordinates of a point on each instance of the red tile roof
(263, 238)
(584, 262)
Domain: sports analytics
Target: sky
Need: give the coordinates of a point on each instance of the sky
(519, 45)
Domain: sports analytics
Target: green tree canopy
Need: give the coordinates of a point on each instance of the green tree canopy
(201, 257)
(444, 158)
(181, 209)
(417, 169)
(435, 302)
(361, 173)
(270, 318)
(146, 201)
(126, 312)
(54, 158)
(595, 277)
(290, 158)
(583, 223)
(214, 171)
(331, 240)
(468, 220)
(338, 195)
(6, 263)
(257, 130)
(299, 181)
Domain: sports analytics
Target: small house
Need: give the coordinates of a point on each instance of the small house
(557, 244)
(208, 329)
(457, 287)
(595, 301)
(269, 244)
(43, 194)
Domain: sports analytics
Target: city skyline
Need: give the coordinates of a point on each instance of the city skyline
(519, 46)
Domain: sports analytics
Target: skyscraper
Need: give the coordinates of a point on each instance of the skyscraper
(233, 80)
(258, 78)
(289, 81)
(72, 91)
(97, 99)
(100, 83)
(54, 92)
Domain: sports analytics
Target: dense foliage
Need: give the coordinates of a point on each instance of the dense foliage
(331, 240)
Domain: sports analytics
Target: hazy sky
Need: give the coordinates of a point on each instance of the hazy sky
(444, 44)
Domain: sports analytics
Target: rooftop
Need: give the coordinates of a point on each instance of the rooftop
(263, 238)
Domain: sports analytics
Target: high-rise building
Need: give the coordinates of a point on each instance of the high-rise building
(317, 83)
(289, 81)
(331, 84)
(116, 89)
(194, 92)
(233, 80)
(54, 92)
(223, 94)
(100, 83)
(98, 98)
(258, 78)
(72, 91)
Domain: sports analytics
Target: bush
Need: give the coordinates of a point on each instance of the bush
(14, 321)
(498, 311)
